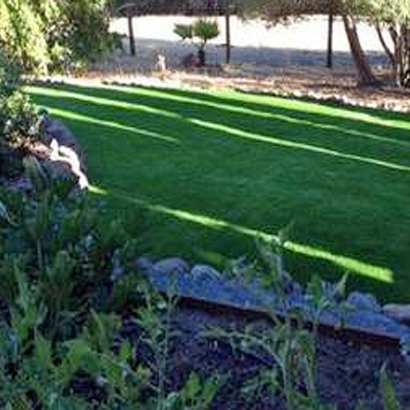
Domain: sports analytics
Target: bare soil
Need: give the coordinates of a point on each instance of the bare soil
(347, 372)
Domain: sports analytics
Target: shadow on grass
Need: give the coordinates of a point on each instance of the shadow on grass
(247, 165)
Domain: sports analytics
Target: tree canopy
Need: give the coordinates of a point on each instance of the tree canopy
(44, 34)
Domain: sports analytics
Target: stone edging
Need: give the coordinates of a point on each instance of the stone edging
(358, 310)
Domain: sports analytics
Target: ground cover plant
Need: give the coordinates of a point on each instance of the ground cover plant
(202, 173)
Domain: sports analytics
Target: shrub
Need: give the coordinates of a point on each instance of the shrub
(54, 34)
(67, 276)
(17, 119)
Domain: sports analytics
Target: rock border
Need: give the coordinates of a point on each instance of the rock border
(359, 311)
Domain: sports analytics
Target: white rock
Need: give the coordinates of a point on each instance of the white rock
(361, 301)
(171, 265)
(205, 271)
(401, 313)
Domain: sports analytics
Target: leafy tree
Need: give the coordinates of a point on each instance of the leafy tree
(44, 34)
(200, 32)
(22, 35)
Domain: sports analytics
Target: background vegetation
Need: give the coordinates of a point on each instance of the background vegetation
(51, 34)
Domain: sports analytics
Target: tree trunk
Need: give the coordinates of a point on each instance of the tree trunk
(405, 42)
(401, 38)
(201, 57)
(386, 48)
(366, 76)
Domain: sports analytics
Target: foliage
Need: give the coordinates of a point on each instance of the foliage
(199, 32)
(388, 391)
(281, 11)
(60, 267)
(22, 35)
(41, 35)
(287, 355)
(17, 118)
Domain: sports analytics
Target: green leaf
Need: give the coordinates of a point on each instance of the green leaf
(126, 351)
(360, 406)
(5, 215)
(35, 173)
(43, 353)
(340, 288)
(209, 391)
(315, 289)
(185, 31)
(193, 386)
(388, 392)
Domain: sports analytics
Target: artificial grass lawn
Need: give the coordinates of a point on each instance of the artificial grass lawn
(200, 174)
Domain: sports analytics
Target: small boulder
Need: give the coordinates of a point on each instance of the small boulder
(144, 264)
(205, 272)
(361, 301)
(401, 313)
(171, 266)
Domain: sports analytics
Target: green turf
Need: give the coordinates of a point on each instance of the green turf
(203, 173)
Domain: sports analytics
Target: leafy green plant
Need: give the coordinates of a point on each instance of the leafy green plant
(66, 278)
(286, 353)
(57, 35)
(200, 32)
(17, 119)
(388, 392)
(323, 299)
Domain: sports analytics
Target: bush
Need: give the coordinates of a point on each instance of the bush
(17, 119)
(67, 275)
(54, 34)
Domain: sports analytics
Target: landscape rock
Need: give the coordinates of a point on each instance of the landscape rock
(68, 157)
(365, 302)
(144, 264)
(361, 311)
(56, 129)
(401, 313)
(205, 272)
(56, 170)
(376, 322)
(171, 266)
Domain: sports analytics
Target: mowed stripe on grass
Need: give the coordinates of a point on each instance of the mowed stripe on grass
(201, 174)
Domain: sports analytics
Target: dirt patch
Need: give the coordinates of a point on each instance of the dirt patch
(347, 372)
(314, 83)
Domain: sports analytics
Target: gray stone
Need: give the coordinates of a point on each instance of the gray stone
(57, 170)
(200, 272)
(171, 266)
(56, 129)
(52, 129)
(361, 301)
(376, 322)
(401, 313)
(144, 264)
